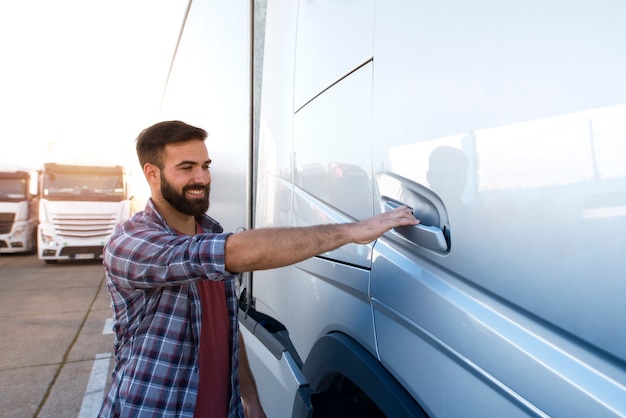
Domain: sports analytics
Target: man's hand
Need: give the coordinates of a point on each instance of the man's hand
(253, 409)
(249, 396)
(368, 230)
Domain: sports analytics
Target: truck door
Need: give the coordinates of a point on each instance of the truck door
(500, 126)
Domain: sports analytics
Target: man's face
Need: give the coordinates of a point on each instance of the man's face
(185, 178)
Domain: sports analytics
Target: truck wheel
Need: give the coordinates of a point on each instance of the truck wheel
(342, 400)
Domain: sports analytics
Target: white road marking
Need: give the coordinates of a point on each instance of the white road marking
(94, 394)
(108, 326)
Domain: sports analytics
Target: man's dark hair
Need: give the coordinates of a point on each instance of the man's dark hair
(151, 141)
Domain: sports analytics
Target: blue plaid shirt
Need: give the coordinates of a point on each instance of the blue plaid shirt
(152, 275)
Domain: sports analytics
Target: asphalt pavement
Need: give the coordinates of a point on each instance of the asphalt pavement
(55, 338)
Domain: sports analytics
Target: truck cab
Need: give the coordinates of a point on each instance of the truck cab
(80, 207)
(501, 125)
(18, 209)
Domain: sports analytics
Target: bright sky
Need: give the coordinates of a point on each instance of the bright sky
(81, 71)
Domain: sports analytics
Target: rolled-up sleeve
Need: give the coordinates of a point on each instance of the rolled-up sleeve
(143, 255)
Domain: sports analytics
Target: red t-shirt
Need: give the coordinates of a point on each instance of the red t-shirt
(214, 361)
(214, 357)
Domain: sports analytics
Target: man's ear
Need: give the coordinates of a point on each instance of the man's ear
(152, 173)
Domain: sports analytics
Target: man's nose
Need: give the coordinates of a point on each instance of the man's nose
(202, 175)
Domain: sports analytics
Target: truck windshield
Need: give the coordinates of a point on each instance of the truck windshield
(12, 189)
(84, 183)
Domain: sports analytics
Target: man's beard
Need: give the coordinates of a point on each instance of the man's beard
(194, 207)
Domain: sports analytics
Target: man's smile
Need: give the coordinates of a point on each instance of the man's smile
(196, 191)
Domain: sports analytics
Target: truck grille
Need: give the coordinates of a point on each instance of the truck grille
(6, 222)
(84, 225)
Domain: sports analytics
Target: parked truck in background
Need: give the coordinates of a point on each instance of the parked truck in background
(18, 209)
(503, 125)
(79, 207)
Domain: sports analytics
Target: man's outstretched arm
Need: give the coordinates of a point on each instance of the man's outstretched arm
(261, 249)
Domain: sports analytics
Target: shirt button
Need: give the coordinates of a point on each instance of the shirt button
(187, 405)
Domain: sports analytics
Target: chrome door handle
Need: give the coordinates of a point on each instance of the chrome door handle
(428, 236)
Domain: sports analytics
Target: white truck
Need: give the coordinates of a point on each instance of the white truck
(80, 206)
(18, 209)
(501, 124)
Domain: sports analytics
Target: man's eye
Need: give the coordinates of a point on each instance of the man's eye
(207, 166)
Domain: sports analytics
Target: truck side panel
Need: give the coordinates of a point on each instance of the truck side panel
(501, 127)
(513, 116)
(209, 87)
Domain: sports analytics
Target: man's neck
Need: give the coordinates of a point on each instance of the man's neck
(177, 220)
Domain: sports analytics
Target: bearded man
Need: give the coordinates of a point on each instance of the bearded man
(171, 272)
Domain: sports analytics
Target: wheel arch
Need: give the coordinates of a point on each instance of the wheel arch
(336, 354)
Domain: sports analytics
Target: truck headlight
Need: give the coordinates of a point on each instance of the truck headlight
(47, 238)
(18, 232)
